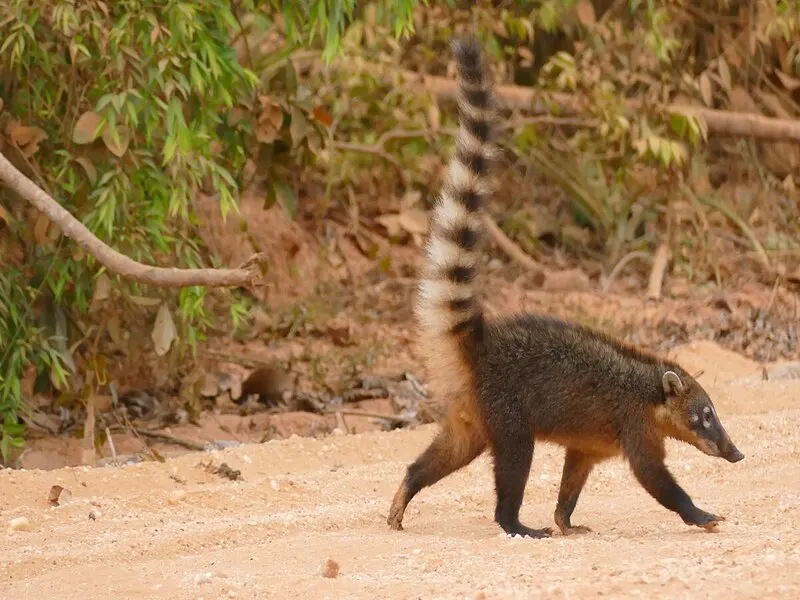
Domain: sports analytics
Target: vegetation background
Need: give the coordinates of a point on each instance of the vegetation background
(651, 152)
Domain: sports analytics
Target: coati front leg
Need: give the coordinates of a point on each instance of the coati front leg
(454, 447)
(513, 455)
(577, 467)
(649, 469)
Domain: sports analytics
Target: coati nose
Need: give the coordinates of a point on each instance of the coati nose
(734, 455)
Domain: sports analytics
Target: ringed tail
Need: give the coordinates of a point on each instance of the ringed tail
(447, 306)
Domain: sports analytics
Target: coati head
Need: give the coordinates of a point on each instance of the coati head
(689, 415)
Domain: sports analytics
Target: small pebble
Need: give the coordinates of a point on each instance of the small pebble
(95, 514)
(247, 459)
(202, 578)
(337, 431)
(330, 568)
(19, 524)
(274, 485)
(176, 496)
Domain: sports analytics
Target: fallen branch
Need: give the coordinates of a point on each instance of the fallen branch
(657, 273)
(165, 438)
(373, 415)
(720, 122)
(119, 264)
(507, 245)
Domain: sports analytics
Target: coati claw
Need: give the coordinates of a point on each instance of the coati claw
(705, 520)
(536, 534)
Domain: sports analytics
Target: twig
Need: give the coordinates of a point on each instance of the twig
(111, 445)
(88, 455)
(374, 415)
(115, 262)
(507, 245)
(166, 438)
(621, 265)
(657, 273)
(341, 423)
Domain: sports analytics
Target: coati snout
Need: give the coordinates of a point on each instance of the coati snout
(691, 412)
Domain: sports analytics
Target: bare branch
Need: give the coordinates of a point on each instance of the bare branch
(529, 99)
(119, 264)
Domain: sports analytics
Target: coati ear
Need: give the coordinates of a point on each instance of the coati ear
(673, 386)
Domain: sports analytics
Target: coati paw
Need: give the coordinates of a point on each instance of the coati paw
(705, 520)
(524, 531)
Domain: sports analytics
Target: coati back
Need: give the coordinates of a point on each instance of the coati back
(510, 381)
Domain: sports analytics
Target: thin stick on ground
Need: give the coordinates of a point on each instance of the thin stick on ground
(657, 272)
(88, 455)
(166, 438)
(112, 447)
(621, 265)
(373, 415)
(116, 263)
(507, 245)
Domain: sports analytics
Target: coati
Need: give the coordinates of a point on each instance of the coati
(511, 381)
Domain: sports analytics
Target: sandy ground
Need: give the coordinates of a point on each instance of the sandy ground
(174, 530)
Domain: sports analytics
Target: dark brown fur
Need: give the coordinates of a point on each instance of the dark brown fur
(518, 379)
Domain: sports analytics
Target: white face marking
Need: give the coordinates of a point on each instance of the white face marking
(694, 418)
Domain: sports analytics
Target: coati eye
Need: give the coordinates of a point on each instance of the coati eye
(707, 417)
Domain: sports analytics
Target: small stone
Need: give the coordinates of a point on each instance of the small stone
(202, 578)
(274, 485)
(337, 431)
(19, 524)
(176, 497)
(59, 495)
(330, 569)
(95, 514)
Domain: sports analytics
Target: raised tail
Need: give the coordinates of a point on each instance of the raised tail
(447, 306)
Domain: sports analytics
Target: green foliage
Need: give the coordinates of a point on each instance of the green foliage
(123, 112)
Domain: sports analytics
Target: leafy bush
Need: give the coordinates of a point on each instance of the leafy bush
(123, 112)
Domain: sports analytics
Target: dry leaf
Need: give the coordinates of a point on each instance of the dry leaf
(164, 332)
(391, 223)
(26, 138)
(85, 131)
(269, 121)
(742, 102)
(724, 74)
(585, 11)
(434, 116)
(1, 105)
(87, 165)
(323, 116)
(102, 288)
(59, 496)
(120, 146)
(40, 229)
(705, 90)
(789, 82)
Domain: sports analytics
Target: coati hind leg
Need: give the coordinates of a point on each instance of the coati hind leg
(458, 443)
(577, 467)
(647, 461)
(513, 455)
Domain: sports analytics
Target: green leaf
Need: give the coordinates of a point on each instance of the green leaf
(286, 198)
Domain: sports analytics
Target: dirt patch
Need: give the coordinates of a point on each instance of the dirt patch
(177, 530)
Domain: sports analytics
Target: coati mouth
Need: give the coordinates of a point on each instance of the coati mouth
(733, 455)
